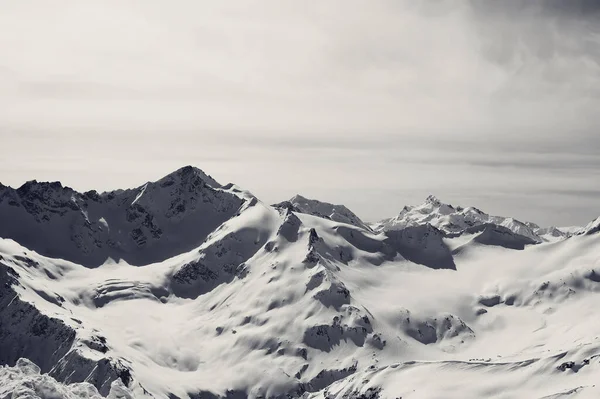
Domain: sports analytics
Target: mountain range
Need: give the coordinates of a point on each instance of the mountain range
(186, 288)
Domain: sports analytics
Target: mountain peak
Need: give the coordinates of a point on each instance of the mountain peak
(455, 220)
(338, 213)
(433, 200)
(35, 185)
(297, 198)
(189, 172)
(140, 225)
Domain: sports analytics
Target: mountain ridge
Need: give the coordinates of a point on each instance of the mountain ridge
(456, 220)
(285, 301)
(117, 223)
(316, 207)
(144, 211)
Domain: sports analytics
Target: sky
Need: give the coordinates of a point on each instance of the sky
(373, 104)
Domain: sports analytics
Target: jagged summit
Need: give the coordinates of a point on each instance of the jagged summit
(187, 173)
(28, 185)
(299, 197)
(455, 220)
(337, 213)
(184, 174)
(433, 200)
(148, 223)
(34, 189)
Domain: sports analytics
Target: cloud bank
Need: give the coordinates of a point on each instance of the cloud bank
(374, 104)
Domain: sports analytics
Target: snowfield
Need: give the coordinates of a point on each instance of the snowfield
(184, 288)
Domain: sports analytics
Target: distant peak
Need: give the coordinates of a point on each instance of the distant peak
(36, 186)
(327, 210)
(188, 172)
(52, 184)
(298, 197)
(433, 200)
(301, 200)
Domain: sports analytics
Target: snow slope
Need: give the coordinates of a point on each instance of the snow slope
(592, 228)
(274, 302)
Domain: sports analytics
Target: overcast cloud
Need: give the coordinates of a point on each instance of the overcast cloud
(373, 104)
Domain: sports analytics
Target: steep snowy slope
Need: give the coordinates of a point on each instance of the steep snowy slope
(337, 213)
(592, 228)
(275, 303)
(455, 220)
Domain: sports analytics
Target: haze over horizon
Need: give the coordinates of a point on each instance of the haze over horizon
(374, 106)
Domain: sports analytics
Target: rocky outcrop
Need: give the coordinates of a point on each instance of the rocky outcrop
(217, 263)
(25, 332)
(26, 380)
(423, 245)
(49, 343)
(431, 330)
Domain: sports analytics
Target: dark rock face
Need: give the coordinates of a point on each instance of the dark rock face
(97, 343)
(290, 227)
(369, 393)
(423, 245)
(326, 210)
(593, 276)
(73, 368)
(325, 337)
(566, 365)
(334, 296)
(144, 225)
(490, 301)
(326, 377)
(313, 237)
(25, 332)
(218, 263)
(432, 330)
(361, 241)
(286, 206)
(492, 234)
(343, 328)
(592, 228)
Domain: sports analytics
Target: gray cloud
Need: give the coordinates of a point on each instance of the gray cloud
(373, 104)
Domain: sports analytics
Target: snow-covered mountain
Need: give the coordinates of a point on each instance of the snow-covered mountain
(592, 228)
(456, 220)
(143, 225)
(235, 298)
(337, 213)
